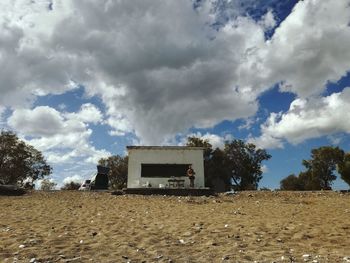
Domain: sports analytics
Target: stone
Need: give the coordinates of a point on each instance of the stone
(187, 234)
(306, 257)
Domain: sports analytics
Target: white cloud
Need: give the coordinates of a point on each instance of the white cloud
(266, 141)
(88, 113)
(41, 121)
(158, 79)
(63, 137)
(75, 178)
(268, 20)
(264, 168)
(248, 123)
(215, 140)
(308, 50)
(335, 139)
(30, 64)
(307, 118)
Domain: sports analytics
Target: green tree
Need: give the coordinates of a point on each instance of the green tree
(216, 169)
(322, 165)
(344, 168)
(291, 183)
(47, 185)
(303, 182)
(70, 186)
(243, 163)
(239, 163)
(118, 170)
(20, 161)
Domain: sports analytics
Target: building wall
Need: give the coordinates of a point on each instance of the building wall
(164, 156)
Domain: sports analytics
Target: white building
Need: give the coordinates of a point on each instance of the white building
(154, 166)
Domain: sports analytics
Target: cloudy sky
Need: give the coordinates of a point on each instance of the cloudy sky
(81, 79)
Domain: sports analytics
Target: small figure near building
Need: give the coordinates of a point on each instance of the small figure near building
(190, 173)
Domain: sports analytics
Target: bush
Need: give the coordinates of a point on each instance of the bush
(71, 186)
(47, 185)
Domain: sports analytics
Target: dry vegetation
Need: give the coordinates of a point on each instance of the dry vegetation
(251, 226)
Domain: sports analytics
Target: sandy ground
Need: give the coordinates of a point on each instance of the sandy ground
(248, 227)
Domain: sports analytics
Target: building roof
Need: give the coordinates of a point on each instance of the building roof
(164, 148)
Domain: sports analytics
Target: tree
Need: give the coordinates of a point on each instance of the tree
(344, 168)
(47, 185)
(20, 161)
(303, 182)
(239, 163)
(291, 183)
(322, 165)
(320, 170)
(71, 186)
(118, 170)
(243, 162)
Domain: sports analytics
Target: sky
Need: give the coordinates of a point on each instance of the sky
(82, 79)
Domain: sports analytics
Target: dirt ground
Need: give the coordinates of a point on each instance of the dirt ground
(247, 227)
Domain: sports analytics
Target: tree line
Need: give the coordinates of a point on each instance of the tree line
(237, 166)
(320, 170)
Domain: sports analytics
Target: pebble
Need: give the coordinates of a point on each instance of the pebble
(32, 260)
(182, 241)
(81, 241)
(306, 257)
(71, 259)
(21, 246)
(187, 234)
